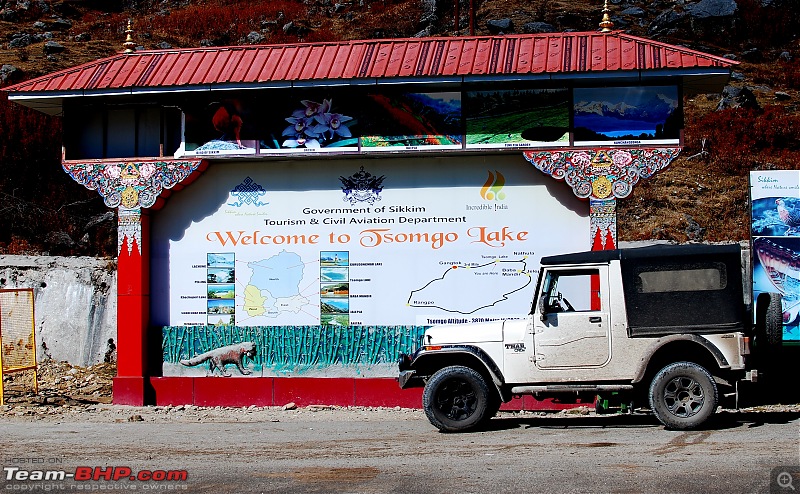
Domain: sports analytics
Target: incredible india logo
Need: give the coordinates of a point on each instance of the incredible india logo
(492, 188)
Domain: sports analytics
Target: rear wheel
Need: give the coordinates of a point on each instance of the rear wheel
(457, 398)
(683, 395)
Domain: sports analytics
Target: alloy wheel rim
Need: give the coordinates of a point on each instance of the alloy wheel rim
(684, 396)
(456, 399)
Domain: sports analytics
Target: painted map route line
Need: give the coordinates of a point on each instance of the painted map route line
(503, 297)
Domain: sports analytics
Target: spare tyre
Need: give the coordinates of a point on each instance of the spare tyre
(769, 321)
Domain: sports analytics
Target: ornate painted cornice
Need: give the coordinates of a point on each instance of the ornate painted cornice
(131, 184)
(602, 173)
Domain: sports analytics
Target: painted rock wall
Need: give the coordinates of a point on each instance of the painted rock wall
(75, 303)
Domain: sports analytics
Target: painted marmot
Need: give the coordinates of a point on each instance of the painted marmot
(219, 357)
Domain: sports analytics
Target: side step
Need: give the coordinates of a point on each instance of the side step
(569, 388)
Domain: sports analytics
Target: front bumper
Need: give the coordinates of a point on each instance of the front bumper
(408, 377)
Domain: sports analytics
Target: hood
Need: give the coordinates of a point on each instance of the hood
(466, 333)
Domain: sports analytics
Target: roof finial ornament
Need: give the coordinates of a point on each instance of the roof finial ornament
(606, 25)
(129, 44)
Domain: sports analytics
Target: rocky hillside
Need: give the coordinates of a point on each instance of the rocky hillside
(754, 124)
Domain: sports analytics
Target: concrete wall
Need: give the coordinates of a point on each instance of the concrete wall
(75, 303)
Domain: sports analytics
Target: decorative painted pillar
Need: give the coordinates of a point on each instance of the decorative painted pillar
(602, 175)
(133, 188)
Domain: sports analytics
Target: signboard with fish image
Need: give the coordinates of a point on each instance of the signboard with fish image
(775, 232)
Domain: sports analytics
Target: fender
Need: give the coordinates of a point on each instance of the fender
(420, 360)
(722, 362)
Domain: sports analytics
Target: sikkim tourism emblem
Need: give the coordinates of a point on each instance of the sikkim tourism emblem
(248, 193)
(362, 186)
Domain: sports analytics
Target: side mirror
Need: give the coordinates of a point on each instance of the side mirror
(542, 312)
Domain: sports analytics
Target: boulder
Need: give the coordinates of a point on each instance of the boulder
(666, 20)
(254, 38)
(52, 47)
(9, 74)
(425, 33)
(751, 55)
(633, 11)
(538, 27)
(712, 8)
(429, 15)
(9, 15)
(737, 97)
(500, 26)
(20, 40)
(62, 24)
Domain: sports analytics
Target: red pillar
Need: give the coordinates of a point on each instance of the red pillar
(133, 308)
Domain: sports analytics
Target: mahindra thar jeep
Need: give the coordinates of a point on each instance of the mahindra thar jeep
(665, 327)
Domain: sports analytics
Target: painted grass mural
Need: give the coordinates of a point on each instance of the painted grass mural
(294, 349)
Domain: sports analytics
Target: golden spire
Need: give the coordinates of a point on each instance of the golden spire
(129, 44)
(606, 25)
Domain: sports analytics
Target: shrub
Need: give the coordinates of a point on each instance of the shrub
(225, 19)
(767, 24)
(739, 140)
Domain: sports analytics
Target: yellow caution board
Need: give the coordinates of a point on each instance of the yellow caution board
(17, 335)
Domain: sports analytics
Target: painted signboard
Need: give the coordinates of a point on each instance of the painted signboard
(407, 242)
(775, 198)
(339, 121)
(411, 121)
(517, 118)
(305, 123)
(627, 115)
(241, 127)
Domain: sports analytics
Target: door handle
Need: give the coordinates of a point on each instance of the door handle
(596, 319)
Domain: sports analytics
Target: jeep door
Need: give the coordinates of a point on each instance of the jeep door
(571, 326)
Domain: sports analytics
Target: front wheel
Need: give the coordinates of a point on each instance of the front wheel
(456, 398)
(683, 395)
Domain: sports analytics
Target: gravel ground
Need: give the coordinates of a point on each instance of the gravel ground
(67, 391)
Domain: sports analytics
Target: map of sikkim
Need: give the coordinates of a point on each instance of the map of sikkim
(466, 288)
(274, 286)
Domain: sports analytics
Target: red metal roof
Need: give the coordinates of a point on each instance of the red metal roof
(417, 58)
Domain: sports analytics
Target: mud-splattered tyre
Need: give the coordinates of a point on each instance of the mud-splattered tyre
(769, 322)
(683, 395)
(456, 399)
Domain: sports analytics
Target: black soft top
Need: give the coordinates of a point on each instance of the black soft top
(678, 304)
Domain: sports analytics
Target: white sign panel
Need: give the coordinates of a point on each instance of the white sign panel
(395, 241)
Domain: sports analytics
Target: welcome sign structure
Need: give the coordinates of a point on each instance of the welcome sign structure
(336, 210)
(364, 243)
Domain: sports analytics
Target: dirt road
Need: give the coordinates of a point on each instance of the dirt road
(359, 450)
